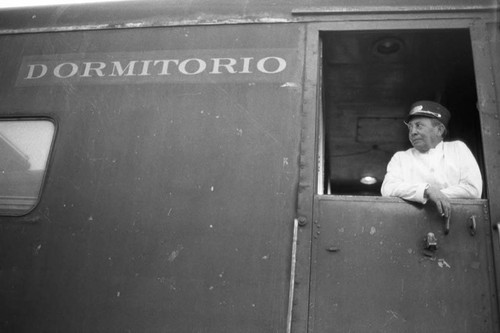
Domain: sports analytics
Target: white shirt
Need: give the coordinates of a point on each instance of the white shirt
(450, 166)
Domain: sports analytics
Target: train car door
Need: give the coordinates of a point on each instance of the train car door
(382, 264)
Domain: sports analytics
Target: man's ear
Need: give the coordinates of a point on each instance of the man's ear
(441, 130)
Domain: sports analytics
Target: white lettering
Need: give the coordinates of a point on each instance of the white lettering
(118, 70)
(165, 63)
(281, 65)
(218, 65)
(57, 70)
(97, 70)
(167, 67)
(201, 66)
(31, 71)
(246, 66)
(145, 67)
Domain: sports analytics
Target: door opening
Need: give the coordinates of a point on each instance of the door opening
(370, 79)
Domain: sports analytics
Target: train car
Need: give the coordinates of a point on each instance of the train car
(215, 166)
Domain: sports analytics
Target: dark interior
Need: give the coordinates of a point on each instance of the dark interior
(371, 78)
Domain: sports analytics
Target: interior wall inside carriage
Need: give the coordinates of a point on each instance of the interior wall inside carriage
(371, 78)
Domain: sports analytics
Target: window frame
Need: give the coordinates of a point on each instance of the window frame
(48, 162)
(311, 150)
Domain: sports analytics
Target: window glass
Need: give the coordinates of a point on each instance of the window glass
(24, 151)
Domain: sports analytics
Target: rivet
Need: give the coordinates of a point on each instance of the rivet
(302, 221)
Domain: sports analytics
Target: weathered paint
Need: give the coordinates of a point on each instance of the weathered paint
(195, 66)
(383, 279)
(167, 206)
(151, 13)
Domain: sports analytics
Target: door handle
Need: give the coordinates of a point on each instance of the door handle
(497, 227)
(473, 225)
(447, 226)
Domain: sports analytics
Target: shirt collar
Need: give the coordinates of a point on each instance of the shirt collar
(436, 151)
(439, 149)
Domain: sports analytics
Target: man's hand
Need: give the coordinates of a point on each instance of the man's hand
(441, 201)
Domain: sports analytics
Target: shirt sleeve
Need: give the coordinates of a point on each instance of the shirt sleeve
(470, 184)
(395, 186)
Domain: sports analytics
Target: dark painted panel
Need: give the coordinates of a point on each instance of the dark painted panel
(168, 207)
(372, 272)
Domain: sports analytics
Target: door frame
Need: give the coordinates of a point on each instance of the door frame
(484, 38)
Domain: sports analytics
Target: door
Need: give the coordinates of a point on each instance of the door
(383, 264)
(377, 267)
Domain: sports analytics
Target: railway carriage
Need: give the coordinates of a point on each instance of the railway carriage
(199, 166)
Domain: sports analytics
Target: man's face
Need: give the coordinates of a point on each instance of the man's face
(423, 134)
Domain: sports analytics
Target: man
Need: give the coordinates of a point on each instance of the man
(433, 170)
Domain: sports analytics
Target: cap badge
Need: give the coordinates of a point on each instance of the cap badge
(419, 109)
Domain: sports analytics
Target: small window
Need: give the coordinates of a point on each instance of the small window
(24, 151)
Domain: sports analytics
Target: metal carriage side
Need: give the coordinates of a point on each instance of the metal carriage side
(195, 182)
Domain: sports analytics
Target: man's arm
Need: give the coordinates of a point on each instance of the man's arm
(440, 200)
(395, 186)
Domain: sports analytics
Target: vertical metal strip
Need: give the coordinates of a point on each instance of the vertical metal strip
(307, 182)
(485, 46)
(292, 276)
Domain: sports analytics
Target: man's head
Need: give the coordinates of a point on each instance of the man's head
(431, 110)
(427, 123)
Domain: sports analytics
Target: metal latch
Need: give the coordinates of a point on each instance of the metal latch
(431, 242)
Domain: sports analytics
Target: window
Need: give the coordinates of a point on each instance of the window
(24, 151)
(369, 80)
